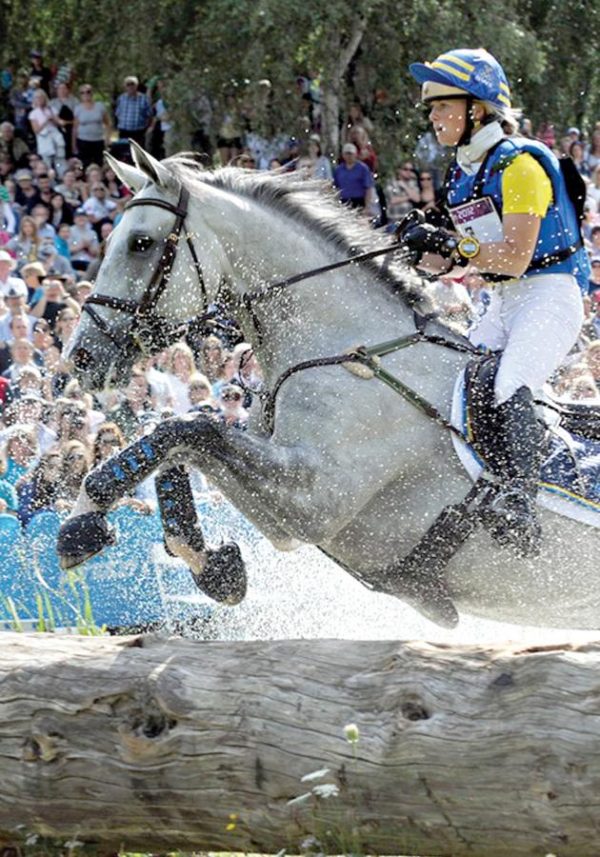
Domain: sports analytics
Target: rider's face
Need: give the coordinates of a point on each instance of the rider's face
(448, 119)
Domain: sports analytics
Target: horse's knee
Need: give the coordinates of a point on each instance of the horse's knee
(192, 430)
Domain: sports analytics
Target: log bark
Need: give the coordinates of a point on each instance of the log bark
(143, 743)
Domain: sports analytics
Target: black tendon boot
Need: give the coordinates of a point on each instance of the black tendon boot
(220, 573)
(84, 536)
(511, 516)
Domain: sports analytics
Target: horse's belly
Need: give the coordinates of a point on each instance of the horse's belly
(560, 589)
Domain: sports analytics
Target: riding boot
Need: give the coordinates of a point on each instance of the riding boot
(511, 516)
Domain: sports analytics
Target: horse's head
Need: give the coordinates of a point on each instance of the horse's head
(151, 280)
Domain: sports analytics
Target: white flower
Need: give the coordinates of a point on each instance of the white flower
(316, 775)
(352, 733)
(326, 790)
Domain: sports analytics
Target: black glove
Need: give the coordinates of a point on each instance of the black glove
(425, 238)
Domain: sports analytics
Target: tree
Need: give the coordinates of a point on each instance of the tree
(143, 743)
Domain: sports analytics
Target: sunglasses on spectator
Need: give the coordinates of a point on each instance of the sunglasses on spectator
(84, 91)
(109, 441)
(231, 397)
(75, 456)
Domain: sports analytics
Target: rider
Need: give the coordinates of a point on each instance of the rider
(513, 222)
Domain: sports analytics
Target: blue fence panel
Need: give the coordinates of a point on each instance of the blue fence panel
(133, 582)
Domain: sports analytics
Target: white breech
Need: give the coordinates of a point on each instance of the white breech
(535, 322)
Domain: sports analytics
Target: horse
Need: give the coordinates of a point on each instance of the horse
(334, 457)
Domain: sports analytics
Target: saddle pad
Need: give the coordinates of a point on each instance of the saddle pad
(567, 488)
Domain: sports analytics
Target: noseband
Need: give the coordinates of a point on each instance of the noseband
(150, 332)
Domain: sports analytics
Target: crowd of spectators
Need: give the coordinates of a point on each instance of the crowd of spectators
(59, 203)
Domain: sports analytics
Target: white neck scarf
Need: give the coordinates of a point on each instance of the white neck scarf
(469, 157)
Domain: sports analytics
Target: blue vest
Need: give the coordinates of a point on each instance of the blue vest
(559, 248)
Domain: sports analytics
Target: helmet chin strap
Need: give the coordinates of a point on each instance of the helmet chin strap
(470, 124)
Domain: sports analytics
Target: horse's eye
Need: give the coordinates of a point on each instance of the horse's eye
(140, 243)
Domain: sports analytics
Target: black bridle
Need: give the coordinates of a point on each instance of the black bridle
(150, 332)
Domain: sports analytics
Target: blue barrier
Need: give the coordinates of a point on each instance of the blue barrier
(131, 583)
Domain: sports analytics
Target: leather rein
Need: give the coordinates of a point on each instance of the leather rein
(150, 332)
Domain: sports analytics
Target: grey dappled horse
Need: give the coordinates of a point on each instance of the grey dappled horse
(343, 461)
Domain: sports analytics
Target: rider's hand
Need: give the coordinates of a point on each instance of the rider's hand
(426, 238)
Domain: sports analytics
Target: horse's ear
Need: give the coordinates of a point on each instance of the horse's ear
(150, 166)
(134, 179)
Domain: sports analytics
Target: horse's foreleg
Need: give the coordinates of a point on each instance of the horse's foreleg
(220, 573)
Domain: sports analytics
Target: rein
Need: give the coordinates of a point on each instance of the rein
(150, 332)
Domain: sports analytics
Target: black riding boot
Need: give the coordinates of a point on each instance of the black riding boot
(512, 516)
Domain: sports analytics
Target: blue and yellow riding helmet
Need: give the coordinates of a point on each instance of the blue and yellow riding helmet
(463, 72)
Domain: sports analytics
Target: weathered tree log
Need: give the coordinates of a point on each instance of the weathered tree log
(148, 743)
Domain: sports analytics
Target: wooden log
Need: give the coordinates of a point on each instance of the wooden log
(145, 743)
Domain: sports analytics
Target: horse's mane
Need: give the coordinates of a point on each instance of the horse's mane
(314, 206)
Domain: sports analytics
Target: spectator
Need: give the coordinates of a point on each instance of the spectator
(64, 106)
(212, 354)
(16, 301)
(593, 189)
(46, 232)
(179, 369)
(366, 153)
(61, 213)
(314, 163)
(39, 490)
(8, 280)
(76, 464)
(427, 189)
(12, 145)
(229, 138)
(592, 154)
(592, 359)
(33, 274)
(83, 242)
(71, 421)
(200, 392)
(99, 207)
(71, 189)
(67, 320)
(233, 413)
(18, 453)
(355, 118)
(402, 192)
(50, 143)
(136, 401)
(54, 299)
(21, 356)
(39, 72)
(577, 153)
(353, 179)
(133, 112)
(26, 194)
(109, 439)
(91, 127)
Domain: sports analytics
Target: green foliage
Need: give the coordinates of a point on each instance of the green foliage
(548, 48)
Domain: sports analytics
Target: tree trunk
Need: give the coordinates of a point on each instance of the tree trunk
(342, 49)
(142, 743)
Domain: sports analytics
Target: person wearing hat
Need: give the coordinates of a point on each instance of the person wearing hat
(10, 144)
(83, 241)
(26, 194)
(353, 179)
(7, 280)
(513, 222)
(133, 112)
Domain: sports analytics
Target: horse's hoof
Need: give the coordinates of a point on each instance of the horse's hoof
(526, 542)
(224, 575)
(82, 537)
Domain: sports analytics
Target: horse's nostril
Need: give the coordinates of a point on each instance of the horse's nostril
(82, 358)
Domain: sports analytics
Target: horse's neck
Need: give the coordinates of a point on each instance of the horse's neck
(321, 315)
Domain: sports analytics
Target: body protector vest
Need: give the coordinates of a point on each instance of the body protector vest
(559, 248)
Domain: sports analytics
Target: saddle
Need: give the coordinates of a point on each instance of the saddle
(567, 433)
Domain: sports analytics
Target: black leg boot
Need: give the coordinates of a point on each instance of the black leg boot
(511, 515)
(220, 573)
